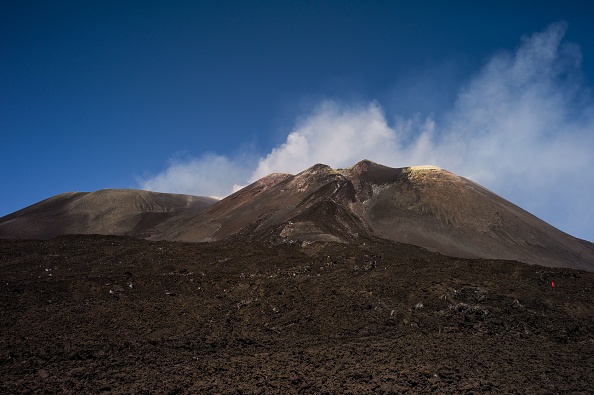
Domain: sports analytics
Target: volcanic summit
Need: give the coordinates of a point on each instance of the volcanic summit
(422, 205)
(367, 280)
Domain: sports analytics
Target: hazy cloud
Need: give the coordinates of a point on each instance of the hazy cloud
(334, 135)
(210, 175)
(522, 126)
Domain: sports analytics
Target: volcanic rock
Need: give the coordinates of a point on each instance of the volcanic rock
(260, 318)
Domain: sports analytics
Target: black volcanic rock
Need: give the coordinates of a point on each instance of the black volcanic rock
(90, 314)
(423, 205)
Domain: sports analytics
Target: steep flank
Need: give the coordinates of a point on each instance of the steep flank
(436, 209)
(421, 205)
(109, 212)
(256, 212)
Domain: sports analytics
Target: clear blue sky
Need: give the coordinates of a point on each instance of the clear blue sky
(199, 96)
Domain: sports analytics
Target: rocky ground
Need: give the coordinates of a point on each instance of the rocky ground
(99, 314)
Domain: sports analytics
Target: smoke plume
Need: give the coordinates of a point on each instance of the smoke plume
(523, 126)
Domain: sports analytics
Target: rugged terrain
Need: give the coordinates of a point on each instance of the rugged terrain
(423, 205)
(107, 314)
(366, 280)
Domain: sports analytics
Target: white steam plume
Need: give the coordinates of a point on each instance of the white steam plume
(523, 126)
(210, 175)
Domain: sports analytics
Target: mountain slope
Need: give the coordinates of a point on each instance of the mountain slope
(423, 205)
(439, 210)
(271, 207)
(108, 211)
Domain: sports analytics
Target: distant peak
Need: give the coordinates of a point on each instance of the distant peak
(319, 166)
(424, 168)
(426, 173)
(360, 167)
(316, 169)
(365, 163)
(271, 180)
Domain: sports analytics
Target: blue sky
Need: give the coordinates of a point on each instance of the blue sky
(203, 97)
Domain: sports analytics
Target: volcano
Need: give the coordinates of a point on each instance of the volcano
(423, 205)
(367, 280)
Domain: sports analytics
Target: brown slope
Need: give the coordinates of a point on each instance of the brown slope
(309, 205)
(436, 209)
(425, 206)
(108, 211)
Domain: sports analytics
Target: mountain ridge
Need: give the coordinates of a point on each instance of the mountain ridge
(421, 205)
(124, 212)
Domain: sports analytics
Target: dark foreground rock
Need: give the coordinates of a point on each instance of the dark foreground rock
(99, 314)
